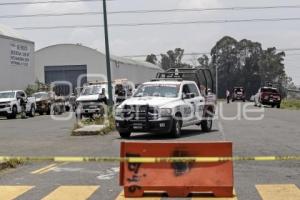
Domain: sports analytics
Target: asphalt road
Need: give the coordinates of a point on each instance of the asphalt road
(278, 133)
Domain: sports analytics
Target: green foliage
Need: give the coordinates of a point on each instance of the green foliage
(36, 87)
(239, 63)
(11, 164)
(245, 63)
(171, 59)
(152, 59)
(291, 104)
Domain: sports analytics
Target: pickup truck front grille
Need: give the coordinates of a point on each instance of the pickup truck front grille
(140, 112)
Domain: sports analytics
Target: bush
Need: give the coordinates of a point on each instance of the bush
(291, 104)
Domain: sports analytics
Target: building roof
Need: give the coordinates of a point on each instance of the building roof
(112, 57)
(6, 31)
(134, 62)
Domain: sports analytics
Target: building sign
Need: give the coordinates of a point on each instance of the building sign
(19, 54)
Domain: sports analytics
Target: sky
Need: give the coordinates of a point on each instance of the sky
(143, 40)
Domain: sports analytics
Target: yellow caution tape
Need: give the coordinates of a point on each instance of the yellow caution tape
(149, 159)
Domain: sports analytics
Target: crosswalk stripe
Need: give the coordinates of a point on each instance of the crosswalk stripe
(214, 198)
(121, 196)
(48, 168)
(12, 192)
(71, 193)
(279, 192)
(44, 168)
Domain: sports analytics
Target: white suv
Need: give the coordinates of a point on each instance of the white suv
(10, 103)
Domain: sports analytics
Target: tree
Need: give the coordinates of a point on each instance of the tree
(245, 63)
(152, 59)
(171, 59)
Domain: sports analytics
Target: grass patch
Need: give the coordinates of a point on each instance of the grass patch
(109, 126)
(11, 164)
(292, 104)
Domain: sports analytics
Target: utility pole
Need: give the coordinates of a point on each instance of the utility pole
(109, 82)
(217, 81)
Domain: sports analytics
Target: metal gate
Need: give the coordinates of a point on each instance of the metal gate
(69, 73)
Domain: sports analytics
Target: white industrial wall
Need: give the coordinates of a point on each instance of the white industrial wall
(70, 54)
(12, 76)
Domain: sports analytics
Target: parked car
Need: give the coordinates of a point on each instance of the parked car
(171, 101)
(11, 104)
(267, 96)
(43, 102)
(238, 94)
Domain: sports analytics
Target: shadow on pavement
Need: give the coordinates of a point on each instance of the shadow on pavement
(160, 136)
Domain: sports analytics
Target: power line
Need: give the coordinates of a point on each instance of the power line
(146, 11)
(160, 23)
(208, 53)
(44, 2)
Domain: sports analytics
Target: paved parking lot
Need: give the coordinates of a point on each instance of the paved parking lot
(276, 134)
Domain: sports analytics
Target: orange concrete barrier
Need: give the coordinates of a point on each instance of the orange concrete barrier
(177, 179)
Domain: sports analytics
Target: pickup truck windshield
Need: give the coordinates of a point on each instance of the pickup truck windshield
(6, 95)
(92, 90)
(270, 90)
(157, 91)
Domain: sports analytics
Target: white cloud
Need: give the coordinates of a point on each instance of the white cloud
(54, 8)
(199, 3)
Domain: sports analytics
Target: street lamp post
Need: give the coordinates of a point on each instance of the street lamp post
(109, 82)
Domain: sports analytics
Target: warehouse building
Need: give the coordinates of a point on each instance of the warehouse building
(16, 60)
(68, 62)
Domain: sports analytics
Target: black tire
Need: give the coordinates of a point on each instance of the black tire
(49, 110)
(125, 134)
(244, 100)
(273, 105)
(278, 105)
(176, 128)
(206, 125)
(13, 115)
(32, 111)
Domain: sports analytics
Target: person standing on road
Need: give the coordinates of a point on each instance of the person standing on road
(228, 96)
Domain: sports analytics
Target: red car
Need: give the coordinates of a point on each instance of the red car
(268, 96)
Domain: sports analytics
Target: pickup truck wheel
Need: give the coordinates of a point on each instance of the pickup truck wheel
(49, 110)
(206, 125)
(176, 128)
(125, 134)
(13, 114)
(278, 105)
(32, 112)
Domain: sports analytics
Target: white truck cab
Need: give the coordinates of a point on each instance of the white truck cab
(165, 104)
(94, 96)
(10, 103)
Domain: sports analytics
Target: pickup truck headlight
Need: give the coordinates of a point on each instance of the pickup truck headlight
(165, 112)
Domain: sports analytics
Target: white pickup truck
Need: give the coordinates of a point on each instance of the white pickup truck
(10, 103)
(167, 104)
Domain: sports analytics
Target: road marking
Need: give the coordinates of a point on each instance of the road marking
(71, 193)
(44, 168)
(48, 168)
(121, 196)
(278, 192)
(214, 198)
(12, 192)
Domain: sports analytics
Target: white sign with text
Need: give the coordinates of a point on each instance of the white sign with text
(19, 54)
